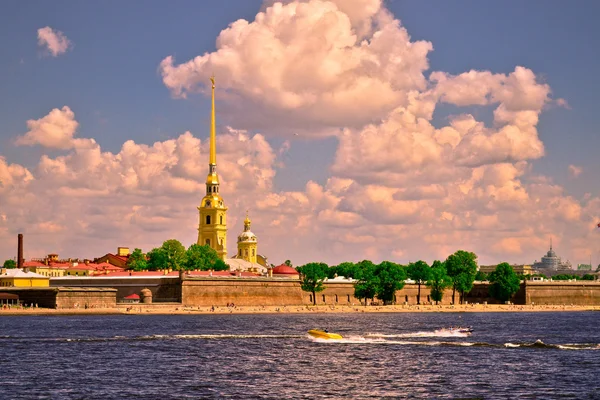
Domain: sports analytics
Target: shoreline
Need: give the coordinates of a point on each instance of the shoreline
(174, 309)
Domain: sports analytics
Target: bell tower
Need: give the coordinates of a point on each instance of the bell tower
(212, 227)
(247, 243)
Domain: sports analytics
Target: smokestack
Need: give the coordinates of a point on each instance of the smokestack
(20, 252)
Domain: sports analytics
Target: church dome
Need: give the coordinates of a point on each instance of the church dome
(284, 270)
(247, 236)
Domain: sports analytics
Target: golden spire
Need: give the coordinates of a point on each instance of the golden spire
(213, 135)
(247, 221)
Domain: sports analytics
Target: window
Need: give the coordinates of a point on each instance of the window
(246, 252)
(310, 297)
(207, 242)
(208, 220)
(406, 298)
(240, 252)
(323, 298)
(336, 298)
(348, 298)
(221, 219)
(253, 252)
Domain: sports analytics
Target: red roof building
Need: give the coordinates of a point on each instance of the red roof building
(285, 271)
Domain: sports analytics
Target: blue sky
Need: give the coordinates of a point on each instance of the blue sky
(110, 77)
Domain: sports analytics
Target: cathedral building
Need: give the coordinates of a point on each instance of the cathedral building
(212, 226)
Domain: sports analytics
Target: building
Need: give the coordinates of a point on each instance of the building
(118, 260)
(552, 263)
(212, 227)
(520, 269)
(247, 243)
(584, 267)
(17, 277)
(285, 271)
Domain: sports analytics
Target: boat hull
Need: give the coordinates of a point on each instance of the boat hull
(319, 334)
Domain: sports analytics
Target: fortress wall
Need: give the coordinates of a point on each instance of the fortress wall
(576, 293)
(164, 289)
(62, 298)
(280, 292)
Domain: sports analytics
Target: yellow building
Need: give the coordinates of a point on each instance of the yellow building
(18, 278)
(247, 244)
(212, 227)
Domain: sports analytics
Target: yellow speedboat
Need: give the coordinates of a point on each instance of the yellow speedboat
(321, 334)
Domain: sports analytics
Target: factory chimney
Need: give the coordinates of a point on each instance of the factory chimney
(20, 252)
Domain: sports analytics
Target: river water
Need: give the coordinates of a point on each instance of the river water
(403, 355)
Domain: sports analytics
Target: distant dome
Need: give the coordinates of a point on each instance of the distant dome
(284, 270)
(247, 236)
(551, 253)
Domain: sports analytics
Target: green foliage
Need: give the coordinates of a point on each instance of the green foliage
(462, 268)
(588, 277)
(438, 280)
(346, 269)
(203, 258)
(504, 283)
(288, 263)
(390, 277)
(156, 259)
(481, 276)
(366, 285)
(137, 261)
(420, 273)
(8, 264)
(312, 277)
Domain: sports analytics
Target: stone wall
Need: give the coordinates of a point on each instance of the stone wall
(280, 292)
(561, 292)
(164, 289)
(63, 298)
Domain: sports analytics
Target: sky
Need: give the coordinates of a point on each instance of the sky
(348, 129)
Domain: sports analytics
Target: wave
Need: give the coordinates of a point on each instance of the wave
(436, 333)
(541, 345)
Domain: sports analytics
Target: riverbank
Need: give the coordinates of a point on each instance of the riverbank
(177, 309)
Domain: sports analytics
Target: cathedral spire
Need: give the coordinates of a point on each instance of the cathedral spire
(213, 134)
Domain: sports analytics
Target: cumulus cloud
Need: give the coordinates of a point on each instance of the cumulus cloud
(330, 63)
(401, 186)
(55, 42)
(55, 130)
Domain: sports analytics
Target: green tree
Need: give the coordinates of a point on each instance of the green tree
(8, 264)
(174, 254)
(365, 286)
(288, 263)
(312, 277)
(588, 277)
(156, 259)
(203, 258)
(462, 268)
(504, 283)
(137, 261)
(438, 281)
(481, 276)
(390, 278)
(419, 272)
(346, 269)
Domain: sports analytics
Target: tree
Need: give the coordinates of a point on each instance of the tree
(462, 268)
(366, 285)
(8, 264)
(203, 258)
(390, 278)
(438, 281)
(588, 277)
(137, 261)
(346, 269)
(288, 263)
(419, 272)
(312, 277)
(156, 259)
(504, 283)
(481, 276)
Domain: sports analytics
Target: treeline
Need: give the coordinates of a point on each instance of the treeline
(381, 281)
(173, 255)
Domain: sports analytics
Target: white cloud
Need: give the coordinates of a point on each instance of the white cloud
(55, 42)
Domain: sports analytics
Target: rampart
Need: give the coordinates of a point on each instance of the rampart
(562, 292)
(163, 288)
(65, 297)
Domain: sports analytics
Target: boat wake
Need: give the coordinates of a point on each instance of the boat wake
(436, 333)
(385, 340)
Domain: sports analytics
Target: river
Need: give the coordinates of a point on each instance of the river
(541, 355)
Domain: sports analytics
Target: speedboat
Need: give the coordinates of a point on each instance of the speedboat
(462, 330)
(323, 334)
